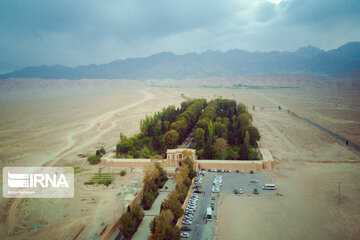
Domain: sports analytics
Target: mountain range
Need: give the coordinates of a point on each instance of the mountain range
(233, 63)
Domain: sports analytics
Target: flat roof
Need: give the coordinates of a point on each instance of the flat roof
(127, 160)
(179, 150)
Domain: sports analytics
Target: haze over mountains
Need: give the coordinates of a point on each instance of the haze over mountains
(233, 63)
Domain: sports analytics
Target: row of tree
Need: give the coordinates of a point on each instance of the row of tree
(130, 220)
(154, 179)
(164, 226)
(225, 131)
(181, 128)
(161, 131)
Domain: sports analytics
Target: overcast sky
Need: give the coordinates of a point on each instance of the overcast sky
(80, 32)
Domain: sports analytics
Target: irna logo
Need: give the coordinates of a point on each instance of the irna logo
(16, 180)
(38, 182)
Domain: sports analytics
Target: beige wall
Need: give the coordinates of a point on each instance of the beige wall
(258, 165)
(245, 165)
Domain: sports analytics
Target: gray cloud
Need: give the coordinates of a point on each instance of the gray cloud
(88, 31)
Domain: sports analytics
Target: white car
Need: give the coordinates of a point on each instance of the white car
(215, 189)
(241, 191)
(185, 235)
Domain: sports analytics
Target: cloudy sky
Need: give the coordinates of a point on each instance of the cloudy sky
(68, 32)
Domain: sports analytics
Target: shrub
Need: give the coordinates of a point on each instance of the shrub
(93, 159)
(102, 150)
(122, 173)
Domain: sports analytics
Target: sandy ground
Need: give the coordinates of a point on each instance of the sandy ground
(52, 129)
(307, 209)
(309, 167)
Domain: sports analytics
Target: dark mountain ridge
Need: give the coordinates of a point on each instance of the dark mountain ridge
(306, 60)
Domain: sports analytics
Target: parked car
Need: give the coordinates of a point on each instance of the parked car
(213, 198)
(242, 172)
(256, 191)
(253, 181)
(237, 171)
(184, 235)
(236, 191)
(185, 229)
(251, 172)
(213, 208)
(215, 189)
(241, 191)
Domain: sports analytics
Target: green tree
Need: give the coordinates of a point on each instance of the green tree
(203, 123)
(220, 130)
(180, 127)
(153, 224)
(172, 203)
(147, 200)
(137, 213)
(254, 136)
(190, 164)
(241, 108)
(247, 138)
(162, 227)
(199, 138)
(220, 147)
(127, 224)
(145, 152)
(244, 154)
(171, 139)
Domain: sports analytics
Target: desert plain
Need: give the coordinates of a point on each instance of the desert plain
(59, 122)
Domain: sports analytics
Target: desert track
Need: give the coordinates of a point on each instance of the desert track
(52, 160)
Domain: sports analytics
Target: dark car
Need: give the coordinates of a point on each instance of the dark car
(213, 207)
(185, 229)
(237, 171)
(236, 191)
(251, 172)
(219, 170)
(256, 191)
(197, 191)
(209, 170)
(213, 198)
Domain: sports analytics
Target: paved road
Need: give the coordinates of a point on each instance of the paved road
(204, 201)
(143, 231)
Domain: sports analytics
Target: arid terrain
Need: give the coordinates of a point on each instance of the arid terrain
(53, 125)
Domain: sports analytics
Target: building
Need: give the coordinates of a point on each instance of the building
(175, 157)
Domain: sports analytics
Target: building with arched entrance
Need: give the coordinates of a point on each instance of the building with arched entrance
(175, 157)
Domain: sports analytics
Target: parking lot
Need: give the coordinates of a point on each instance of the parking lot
(201, 228)
(232, 181)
